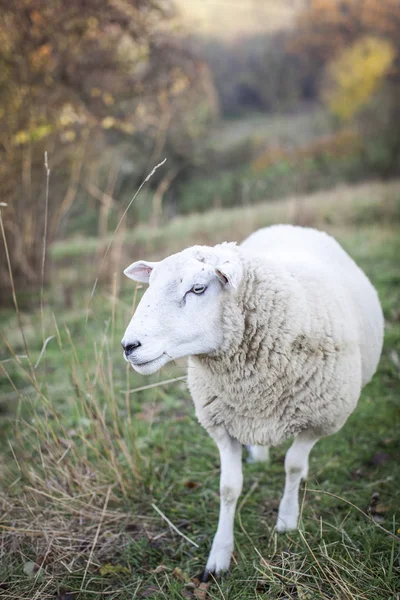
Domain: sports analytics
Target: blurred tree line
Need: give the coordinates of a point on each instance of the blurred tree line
(107, 88)
(350, 50)
(343, 55)
(110, 87)
(270, 73)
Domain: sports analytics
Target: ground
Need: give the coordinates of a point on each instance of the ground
(91, 470)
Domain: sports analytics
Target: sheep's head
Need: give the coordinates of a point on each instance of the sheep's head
(180, 312)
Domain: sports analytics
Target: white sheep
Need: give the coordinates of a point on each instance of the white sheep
(282, 333)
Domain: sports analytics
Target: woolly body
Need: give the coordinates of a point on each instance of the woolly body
(281, 332)
(301, 336)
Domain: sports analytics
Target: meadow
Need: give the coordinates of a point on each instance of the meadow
(96, 462)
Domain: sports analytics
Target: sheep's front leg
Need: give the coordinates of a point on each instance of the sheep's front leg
(296, 468)
(231, 481)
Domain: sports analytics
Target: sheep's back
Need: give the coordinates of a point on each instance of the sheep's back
(317, 252)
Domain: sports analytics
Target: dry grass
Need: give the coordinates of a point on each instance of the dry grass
(96, 461)
(344, 206)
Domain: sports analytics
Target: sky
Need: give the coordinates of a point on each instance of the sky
(232, 18)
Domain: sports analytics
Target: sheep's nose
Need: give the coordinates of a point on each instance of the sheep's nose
(129, 348)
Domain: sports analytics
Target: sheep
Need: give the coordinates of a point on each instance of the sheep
(282, 332)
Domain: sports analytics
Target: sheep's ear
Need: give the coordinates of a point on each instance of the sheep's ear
(140, 271)
(230, 273)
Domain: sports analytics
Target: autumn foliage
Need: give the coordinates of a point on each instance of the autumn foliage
(350, 56)
(79, 79)
(356, 75)
(326, 27)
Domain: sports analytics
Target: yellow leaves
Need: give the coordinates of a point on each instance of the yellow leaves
(112, 123)
(33, 135)
(133, 53)
(126, 127)
(108, 122)
(68, 136)
(108, 99)
(109, 569)
(356, 74)
(40, 132)
(68, 115)
(180, 575)
(21, 137)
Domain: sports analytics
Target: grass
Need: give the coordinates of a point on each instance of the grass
(288, 130)
(89, 452)
(345, 206)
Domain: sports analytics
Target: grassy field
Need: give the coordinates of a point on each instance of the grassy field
(95, 458)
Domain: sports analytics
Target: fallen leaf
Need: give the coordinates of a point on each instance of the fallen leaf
(110, 569)
(191, 586)
(201, 592)
(180, 575)
(30, 568)
(160, 569)
(381, 508)
(191, 485)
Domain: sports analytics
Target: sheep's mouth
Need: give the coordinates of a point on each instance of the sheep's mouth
(150, 366)
(147, 362)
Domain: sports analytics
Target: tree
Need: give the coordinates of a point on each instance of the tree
(357, 44)
(77, 77)
(356, 74)
(325, 28)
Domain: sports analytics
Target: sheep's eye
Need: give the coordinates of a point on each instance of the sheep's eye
(198, 289)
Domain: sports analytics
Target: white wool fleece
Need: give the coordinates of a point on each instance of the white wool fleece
(301, 336)
(281, 332)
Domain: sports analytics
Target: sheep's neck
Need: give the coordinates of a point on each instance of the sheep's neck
(244, 326)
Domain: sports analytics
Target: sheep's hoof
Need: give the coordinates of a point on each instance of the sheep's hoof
(218, 560)
(286, 523)
(205, 576)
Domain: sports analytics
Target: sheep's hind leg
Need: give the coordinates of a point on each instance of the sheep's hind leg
(296, 468)
(231, 481)
(257, 454)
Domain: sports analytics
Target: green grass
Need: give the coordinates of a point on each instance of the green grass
(82, 461)
(294, 130)
(370, 203)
